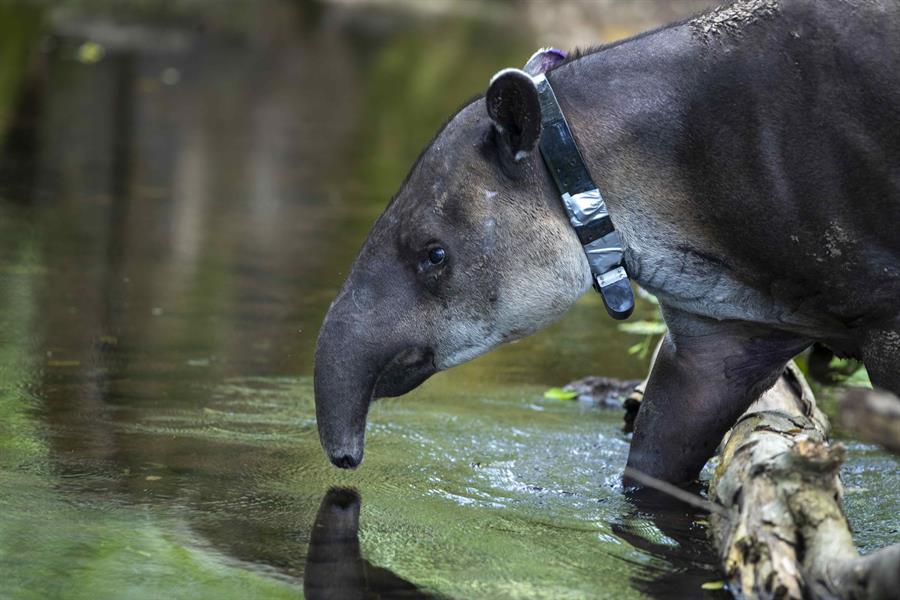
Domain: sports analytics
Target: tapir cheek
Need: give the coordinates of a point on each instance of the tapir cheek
(363, 299)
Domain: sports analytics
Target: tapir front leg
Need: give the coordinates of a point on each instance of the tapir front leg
(705, 376)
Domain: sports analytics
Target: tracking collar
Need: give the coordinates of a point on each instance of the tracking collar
(584, 205)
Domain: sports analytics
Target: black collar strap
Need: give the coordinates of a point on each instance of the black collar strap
(585, 206)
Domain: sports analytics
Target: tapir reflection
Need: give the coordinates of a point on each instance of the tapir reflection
(335, 568)
(680, 543)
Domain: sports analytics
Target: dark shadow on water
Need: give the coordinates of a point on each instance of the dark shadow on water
(335, 568)
(684, 546)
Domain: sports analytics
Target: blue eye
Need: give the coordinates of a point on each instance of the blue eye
(436, 255)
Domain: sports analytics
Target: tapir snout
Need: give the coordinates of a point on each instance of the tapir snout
(354, 379)
(362, 355)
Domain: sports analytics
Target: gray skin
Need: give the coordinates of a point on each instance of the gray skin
(751, 161)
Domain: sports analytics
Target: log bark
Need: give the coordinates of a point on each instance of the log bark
(783, 533)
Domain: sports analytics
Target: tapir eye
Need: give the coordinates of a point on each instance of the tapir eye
(436, 255)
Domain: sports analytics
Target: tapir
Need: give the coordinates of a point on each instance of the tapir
(749, 158)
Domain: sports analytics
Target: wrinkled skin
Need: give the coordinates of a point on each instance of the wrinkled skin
(751, 164)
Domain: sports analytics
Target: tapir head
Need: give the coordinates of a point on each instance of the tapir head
(474, 250)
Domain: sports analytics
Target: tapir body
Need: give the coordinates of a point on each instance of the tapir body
(749, 158)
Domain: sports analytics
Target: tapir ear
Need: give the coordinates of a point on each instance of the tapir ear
(514, 107)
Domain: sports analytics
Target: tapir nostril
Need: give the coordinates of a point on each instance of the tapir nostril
(345, 462)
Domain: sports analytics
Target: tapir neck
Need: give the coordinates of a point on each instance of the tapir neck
(626, 105)
(693, 134)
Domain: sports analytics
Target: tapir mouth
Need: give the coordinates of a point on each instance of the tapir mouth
(405, 372)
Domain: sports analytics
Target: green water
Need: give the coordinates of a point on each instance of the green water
(175, 219)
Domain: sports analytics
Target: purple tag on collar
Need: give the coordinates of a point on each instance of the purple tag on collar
(543, 60)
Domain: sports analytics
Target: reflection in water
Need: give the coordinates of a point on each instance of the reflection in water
(679, 541)
(335, 568)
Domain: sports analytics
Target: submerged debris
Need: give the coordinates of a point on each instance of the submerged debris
(604, 392)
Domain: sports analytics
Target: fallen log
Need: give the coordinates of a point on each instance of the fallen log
(778, 522)
(783, 533)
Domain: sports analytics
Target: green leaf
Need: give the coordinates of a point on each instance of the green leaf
(560, 394)
(643, 327)
(90, 53)
(713, 585)
(860, 378)
(647, 296)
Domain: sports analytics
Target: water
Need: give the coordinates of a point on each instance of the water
(177, 210)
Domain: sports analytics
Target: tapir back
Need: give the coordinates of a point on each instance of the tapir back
(792, 154)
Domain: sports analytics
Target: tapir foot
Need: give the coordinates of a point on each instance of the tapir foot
(707, 373)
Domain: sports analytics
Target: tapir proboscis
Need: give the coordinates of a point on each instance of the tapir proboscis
(750, 160)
